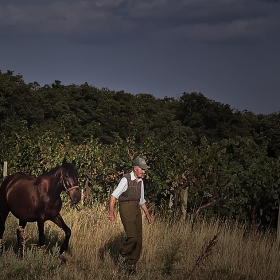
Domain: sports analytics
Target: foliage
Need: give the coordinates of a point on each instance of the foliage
(171, 255)
(227, 160)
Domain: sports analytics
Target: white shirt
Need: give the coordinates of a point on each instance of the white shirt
(122, 187)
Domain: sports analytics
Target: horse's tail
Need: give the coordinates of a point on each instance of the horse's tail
(5, 183)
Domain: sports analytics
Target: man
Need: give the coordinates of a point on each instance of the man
(130, 194)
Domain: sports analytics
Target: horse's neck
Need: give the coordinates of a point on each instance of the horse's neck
(51, 186)
(56, 186)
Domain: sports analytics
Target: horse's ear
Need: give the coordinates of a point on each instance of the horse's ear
(64, 161)
(74, 162)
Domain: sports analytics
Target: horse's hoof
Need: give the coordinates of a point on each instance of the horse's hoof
(62, 259)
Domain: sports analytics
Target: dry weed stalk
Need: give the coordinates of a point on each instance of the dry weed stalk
(2, 246)
(24, 237)
(204, 255)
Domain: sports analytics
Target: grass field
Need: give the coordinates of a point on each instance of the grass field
(172, 250)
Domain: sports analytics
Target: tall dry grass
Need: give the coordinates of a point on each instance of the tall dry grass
(172, 250)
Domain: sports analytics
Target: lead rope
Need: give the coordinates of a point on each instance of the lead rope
(77, 207)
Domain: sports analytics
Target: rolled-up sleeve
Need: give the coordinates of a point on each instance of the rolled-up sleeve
(142, 199)
(122, 187)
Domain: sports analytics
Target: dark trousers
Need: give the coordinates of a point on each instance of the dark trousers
(131, 218)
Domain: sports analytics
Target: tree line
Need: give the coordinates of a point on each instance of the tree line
(206, 157)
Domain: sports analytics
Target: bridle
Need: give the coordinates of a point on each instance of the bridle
(68, 191)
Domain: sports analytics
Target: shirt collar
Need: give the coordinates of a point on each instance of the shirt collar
(132, 176)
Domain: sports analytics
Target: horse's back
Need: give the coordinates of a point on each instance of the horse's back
(15, 179)
(16, 193)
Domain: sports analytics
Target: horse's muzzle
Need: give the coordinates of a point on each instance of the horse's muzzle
(74, 194)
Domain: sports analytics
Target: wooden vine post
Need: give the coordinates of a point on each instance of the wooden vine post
(278, 223)
(5, 169)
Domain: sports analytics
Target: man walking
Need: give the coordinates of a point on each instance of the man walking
(130, 194)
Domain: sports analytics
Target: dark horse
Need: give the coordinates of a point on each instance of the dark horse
(38, 200)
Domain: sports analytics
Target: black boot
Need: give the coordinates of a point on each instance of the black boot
(131, 269)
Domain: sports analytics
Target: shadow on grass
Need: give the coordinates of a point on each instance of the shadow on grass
(111, 248)
(54, 239)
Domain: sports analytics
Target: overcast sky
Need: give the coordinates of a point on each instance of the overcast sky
(229, 50)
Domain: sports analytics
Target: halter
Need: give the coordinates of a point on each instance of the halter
(68, 190)
(72, 188)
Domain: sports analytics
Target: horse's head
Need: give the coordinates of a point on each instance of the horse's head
(69, 177)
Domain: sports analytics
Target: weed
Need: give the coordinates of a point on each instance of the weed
(206, 252)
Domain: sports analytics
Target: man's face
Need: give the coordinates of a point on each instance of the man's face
(139, 172)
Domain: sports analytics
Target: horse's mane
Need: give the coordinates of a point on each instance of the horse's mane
(53, 171)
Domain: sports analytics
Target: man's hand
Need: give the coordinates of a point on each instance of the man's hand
(147, 213)
(149, 218)
(111, 216)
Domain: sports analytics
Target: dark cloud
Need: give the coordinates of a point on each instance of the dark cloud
(226, 49)
(201, 20)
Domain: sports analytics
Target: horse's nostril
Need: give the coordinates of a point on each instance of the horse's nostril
(76, 197)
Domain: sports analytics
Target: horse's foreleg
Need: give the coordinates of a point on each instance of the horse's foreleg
(41, 232)
(60, 222)
(3, 217)
(21, 237)
(2, 224)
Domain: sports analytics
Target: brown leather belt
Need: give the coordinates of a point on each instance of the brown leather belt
(135, 201)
